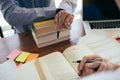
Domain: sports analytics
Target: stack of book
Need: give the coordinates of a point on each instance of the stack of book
(44, 33)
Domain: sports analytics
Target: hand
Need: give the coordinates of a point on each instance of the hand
(97, 66)
(63, 20)
(117, 38)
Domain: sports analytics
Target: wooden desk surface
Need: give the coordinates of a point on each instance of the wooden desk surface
(25, 42)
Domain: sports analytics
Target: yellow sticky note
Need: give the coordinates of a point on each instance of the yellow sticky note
(22, 57)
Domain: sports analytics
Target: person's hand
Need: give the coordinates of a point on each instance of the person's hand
(117, 38)
(63, 19)
(85, 69)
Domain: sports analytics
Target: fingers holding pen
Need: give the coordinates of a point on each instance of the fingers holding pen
(85, 59)
(86, 70)
(56, 21)
(94, 64)
(102, 67)
(62, 17)
(59, 18)
(63, 20)
(68, 20)
(90, 68)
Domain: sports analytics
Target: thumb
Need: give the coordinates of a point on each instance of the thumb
(93, 65)
(56, 21)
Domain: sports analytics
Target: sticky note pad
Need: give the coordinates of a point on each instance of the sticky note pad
(32, 56)
(22, 57)
(14, 54)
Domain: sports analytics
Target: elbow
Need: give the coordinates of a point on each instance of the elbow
(10, 21)
(14, 19)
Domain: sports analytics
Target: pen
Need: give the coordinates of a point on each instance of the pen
(58, 32)
(90, 61)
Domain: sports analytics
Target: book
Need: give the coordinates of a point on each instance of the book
(113, 32)
(60, 66)
(9, 71)
(51, 38)
(103, 45)
(53, 35)
(52, 42)
(45, 27)
(44, 33)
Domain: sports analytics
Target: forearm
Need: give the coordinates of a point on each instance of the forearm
(16, 15)
(112, 66)
(68, 5)
(23, 16)
(117, 66)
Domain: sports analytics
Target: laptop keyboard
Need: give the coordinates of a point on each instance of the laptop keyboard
(105, 25)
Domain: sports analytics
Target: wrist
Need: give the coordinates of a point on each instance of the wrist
(58, 10)
(115, 66)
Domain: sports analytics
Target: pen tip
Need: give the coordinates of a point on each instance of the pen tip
(74, 61)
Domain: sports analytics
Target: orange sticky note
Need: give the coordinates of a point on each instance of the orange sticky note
(32, 57)
(14, 54)
(22, 57)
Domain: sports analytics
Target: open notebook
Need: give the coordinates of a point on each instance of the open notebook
(101, 14)
(9, 71)
(59, 66)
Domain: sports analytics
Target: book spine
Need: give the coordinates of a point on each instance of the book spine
(39, 45)
(51, 37)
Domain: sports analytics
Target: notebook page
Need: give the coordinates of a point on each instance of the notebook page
(113, 32)
(93, 38)
(76, 53)
(9, 71)
(109, 49)
(102, 45)
(29, 72)
(55, 67)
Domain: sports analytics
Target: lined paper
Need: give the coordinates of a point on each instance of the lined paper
(9, 71)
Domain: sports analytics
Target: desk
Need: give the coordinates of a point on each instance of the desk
(25, 42)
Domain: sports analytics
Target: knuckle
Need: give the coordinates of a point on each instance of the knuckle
(104, 65)
(62, 11)
(86, 65)
(85, 58)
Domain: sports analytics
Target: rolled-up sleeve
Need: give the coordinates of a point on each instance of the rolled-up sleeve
(17, 16)
(68, 5)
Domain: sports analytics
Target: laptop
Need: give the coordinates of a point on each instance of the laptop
(101, 15)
